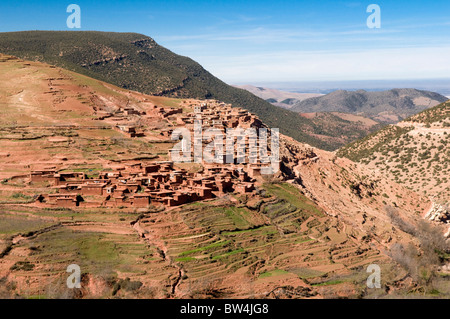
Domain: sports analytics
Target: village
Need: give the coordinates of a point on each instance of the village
(140, 183)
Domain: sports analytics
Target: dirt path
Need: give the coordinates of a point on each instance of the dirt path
(421, 129)
(163, 251)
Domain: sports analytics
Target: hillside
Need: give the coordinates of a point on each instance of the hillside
(343, 127)
(135, 61)
(385, 106)
(308, 232)
(414, 152)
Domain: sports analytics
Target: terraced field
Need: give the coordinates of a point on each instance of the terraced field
(277, 244)
(281, 240)
(37, 246)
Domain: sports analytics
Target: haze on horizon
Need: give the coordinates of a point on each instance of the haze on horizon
(441, 86)
(266, 41)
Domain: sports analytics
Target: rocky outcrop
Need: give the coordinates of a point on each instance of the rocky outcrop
(105, 60)
(440, 214)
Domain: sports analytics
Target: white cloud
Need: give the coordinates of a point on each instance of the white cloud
(277, 35)
(396, 63)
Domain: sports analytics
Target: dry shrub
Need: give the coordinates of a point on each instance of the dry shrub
(420, 261)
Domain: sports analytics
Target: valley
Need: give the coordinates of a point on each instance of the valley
(308, 231)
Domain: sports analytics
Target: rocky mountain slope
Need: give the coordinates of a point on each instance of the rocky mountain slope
(385, 106)
(308, 232)
(414, 153)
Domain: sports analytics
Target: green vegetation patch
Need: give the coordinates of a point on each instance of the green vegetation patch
(233, 252)
(89, 250)
(200, 249)
(292, 195)
(276, 272)
(367, 146)
(10, 224)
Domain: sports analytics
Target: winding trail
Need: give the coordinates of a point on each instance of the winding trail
(162, 249)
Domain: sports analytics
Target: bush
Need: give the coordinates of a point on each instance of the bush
(420, 261)
(127, 285)
(22, 265)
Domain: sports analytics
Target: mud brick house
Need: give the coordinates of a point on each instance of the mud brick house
(244, 188)
(121, 189)
(108, 190)
(209, 183)
(223, 185)
(42, 175)
(131, 187)
(141, 200)
(176, 177)
(113, 176)
(132, 168)
(254, 170)
(204, 192)
(162, 196)
(165, 166)
(64, 200)
(131, 111)
(93, 189)
(166, 112)
(243, 176)
(130, 131)
(151, 168)
(120, 200)
(67, 188)
(63, 178)
(180, 198)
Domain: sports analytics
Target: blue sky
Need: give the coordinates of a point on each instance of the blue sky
(258, 41)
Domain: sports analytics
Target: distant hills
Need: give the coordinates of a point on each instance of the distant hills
(335, 128)
(136, 62)
(383, 106)
(277, 97)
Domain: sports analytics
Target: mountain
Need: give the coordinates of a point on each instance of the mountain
(414, 152)
(277, 97)
(383, 106)
(310, 231)
(136, 62)
(335, 128)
